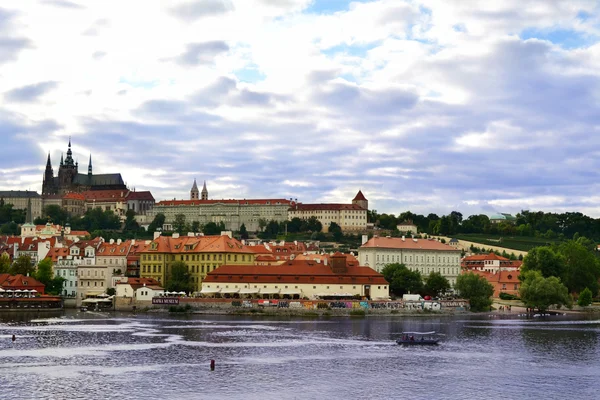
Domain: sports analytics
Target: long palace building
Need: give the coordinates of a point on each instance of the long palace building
(233, 213)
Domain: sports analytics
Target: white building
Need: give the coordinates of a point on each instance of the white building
(423, 255)
(350, 217)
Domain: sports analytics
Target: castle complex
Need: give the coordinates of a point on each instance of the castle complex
(70, 180)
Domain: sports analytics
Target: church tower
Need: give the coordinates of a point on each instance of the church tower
(67, 172)
(195, 193)
(361, 200)
(48, 186)
(204, 192)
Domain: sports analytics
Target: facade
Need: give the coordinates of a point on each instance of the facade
(20, 200)
(66, 268)
(74, 204)
(70, 180)
(233, 213)
(93, 280)
(336, 276)
(21, 282)
(201, 255)
(423, 255)
(140, 202)
(489, 263)
(113, 255)
(128, 288)
(407, 227)
(107, 200)
(503, 281)
(350, 217)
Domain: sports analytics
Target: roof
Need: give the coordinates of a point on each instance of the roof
(326, 206)
(19, 194)
(499, 277)
(406, 244)
(140, 196)
(272, 202)
(74, 196)
(485, 257)
(99, 180)
(359, 196)
(296, 271)
(8, 281)
(199, 244)
(107, 249)
(105, 195)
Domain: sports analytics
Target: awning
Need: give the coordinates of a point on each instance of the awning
(248, 291)
(335, 295)
(93, 301)
(229, 290)
(269, 291)
(94, 293)
(209, 290)
(291, 291)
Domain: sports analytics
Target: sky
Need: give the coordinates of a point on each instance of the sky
(430, 106)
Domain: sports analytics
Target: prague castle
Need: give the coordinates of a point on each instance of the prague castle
(70, 180)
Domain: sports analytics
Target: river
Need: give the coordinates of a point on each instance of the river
(162, 356)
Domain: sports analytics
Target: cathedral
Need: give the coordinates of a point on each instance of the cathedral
(70, 180)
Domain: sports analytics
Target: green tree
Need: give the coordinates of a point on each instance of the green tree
(402, 280)
(314, 225)
(582, 267)
(4, 264)
(55, 213)
(262, 224)
(243, 232)
(179, 223)
(180, 279)
(53, 284)
(22, 265)
(130, 222)
(545, 260)
(436, 284)
(476, 289)
(336, 230)
(195, 226)
(539, 292)
(211, 229)
(585, 298)
(157, 222)
(111, 291)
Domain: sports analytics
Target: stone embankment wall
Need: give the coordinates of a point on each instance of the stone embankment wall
(223, 306)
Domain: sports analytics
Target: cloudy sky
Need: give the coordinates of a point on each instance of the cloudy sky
(425, 105)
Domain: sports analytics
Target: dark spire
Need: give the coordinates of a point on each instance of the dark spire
(61, 160)
(48, 163)
(204, 195)
(90, 166)
(69, 159)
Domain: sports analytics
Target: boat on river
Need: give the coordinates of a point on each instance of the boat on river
(417, 339)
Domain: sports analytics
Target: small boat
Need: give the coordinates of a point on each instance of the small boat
(83, 309)
(417, 339)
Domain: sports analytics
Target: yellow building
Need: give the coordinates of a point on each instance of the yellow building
(201, 254)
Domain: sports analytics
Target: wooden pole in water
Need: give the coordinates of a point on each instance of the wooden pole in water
(14, 338)
(212, 365)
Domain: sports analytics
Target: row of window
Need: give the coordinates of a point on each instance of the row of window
(194, 257)
(410, 259)
(88, 283)
(193, 269)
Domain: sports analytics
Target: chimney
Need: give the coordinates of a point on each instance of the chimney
(365, 239)
(325, 260)
(156, 235)
(403, 238)
(295, 243)
(175, 235)
(118, 241)
(112, 241)
(415, 240)
(132, 242)
(191, 234)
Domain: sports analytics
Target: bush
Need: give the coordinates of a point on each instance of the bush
(358, 313)
(508, 296)
(585, 298)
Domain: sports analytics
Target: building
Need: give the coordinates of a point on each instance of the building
(503, 281)
(502, 217)
(93, 280)
(74, 204)
(201, 254)
(70, 180)
(21, 282)
(423, 255)
(129, 286)
(350, 217)
(284, 250)
(113, 255)
(407, 227)
(232, 213)
(489, 263)
(107, 200)
(140, 202)
(20, 200)
(336, 276)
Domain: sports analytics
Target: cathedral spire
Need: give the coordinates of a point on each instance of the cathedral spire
(194, 193)
(61, 160)
(69, 160)
(90, 166)
(48, 163)
(204, 192)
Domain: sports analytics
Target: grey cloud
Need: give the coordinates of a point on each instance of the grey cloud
(202, 53)
(225, 91)
(63, 4)
(30, 93)
(191, 11)
(11, 47)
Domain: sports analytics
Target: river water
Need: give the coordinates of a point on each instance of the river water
(162, 356)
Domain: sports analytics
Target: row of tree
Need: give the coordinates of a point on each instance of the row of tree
(23, 265)
(402, 280)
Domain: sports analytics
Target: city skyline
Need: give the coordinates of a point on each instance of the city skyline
(427, 106)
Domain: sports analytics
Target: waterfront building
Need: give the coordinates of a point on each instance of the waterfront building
(201, 254)
(128, 287)
(70, 180)
(489, 263)
(113, 254)
(93, 280)
(232, 213)
(335, 276)
(22, 199)
(21, 282)
(503, 281)
(350, 217)
(423, 255)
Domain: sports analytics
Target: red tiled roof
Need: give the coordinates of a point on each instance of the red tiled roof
(325, 206)
(200, 244)
(271, 202)
(407, 244)
(105, 195)
(359, 196)
(140, 196)
(21, 282)
(485, 257)
(301, 271)
(74, 196)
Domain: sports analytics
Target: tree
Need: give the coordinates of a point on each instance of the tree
(476, 289)
(585, 298)
(582, 267)
(130, 222)
(262, 223)
(314, 225)
(180, 279)
(4, 264)
(402, 280)
(55, 213)
(539, 292)
(211, 229)
(53, 284)
(22, 265)
(545, 260)
(111, 291)
(157, 222)
(179, 223)
(436, 284)
(195, 226)
(336, 230)
(243, 232)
